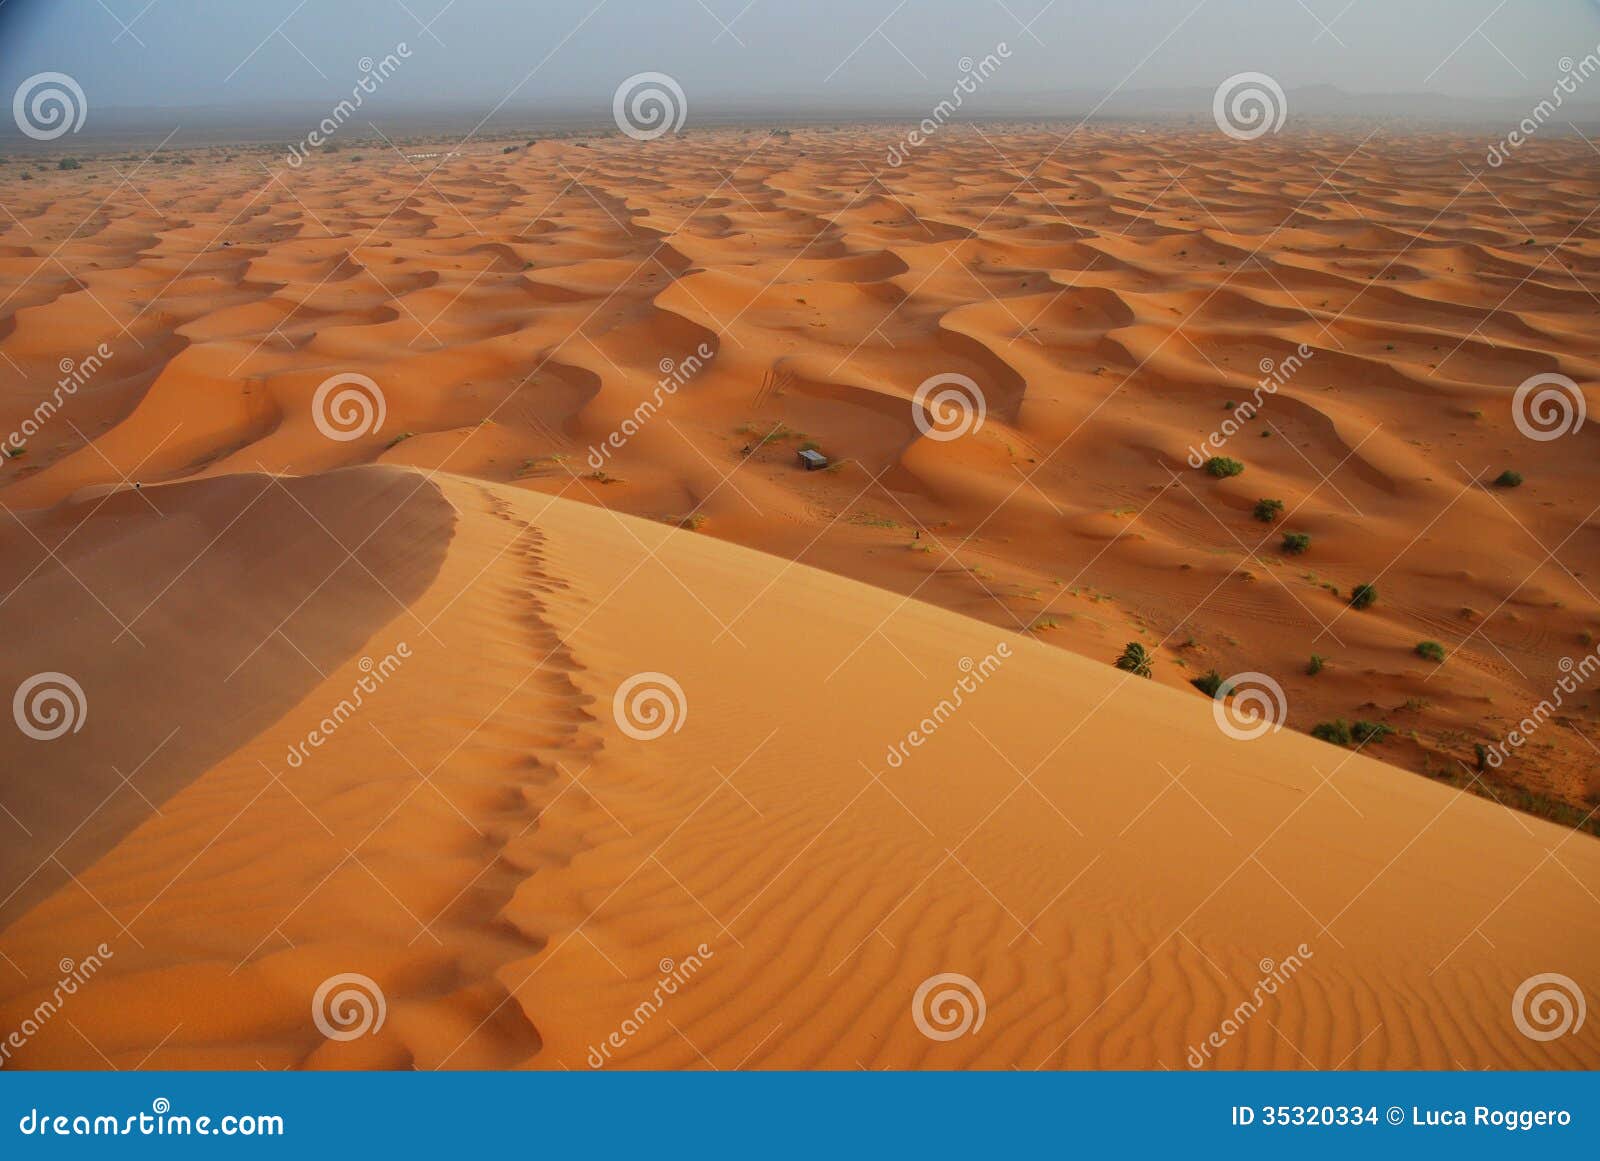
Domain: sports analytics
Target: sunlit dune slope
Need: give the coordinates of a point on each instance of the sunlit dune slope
(513, 869)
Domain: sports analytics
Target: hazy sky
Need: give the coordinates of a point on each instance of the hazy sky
(221, 53)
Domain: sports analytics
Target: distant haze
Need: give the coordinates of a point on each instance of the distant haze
(237, 60)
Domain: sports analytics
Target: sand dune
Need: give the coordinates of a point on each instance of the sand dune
(191, 616)
(485, 842)
(512, 868)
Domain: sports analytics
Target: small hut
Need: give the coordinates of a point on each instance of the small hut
(812, 460)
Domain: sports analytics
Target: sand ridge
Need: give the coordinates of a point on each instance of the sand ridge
(517, 872)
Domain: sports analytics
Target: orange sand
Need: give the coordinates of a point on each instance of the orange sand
(486, 843)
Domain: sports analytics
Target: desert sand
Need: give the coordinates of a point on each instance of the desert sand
(516, 872)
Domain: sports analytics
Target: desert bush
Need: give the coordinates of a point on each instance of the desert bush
(69, 163)
(1222, 467)
(1508, 479)
(1268, 510)
(1430, 650)
(1314, 666)
(1295, 543)
(1135, 659)
(1337, 732)
(1370, 731)
(1363, 596)
(1211, 684)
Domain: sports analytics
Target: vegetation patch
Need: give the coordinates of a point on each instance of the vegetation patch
(1136, 659)
(1336, 732)
(1364, 732)
(1267, 511)
(1222, 467)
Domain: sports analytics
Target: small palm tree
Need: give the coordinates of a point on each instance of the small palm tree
(1135, 659)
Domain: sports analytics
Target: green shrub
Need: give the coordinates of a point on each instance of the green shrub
(1135, 659)
(1314, 666)
(1268, 510)
(1337, 732)
(1508, 479)
(1370, 731)
(1430, 650)
(1212, 684)
(1222, 467)
(1363, 596)
(69, 163)
(1295, 543)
